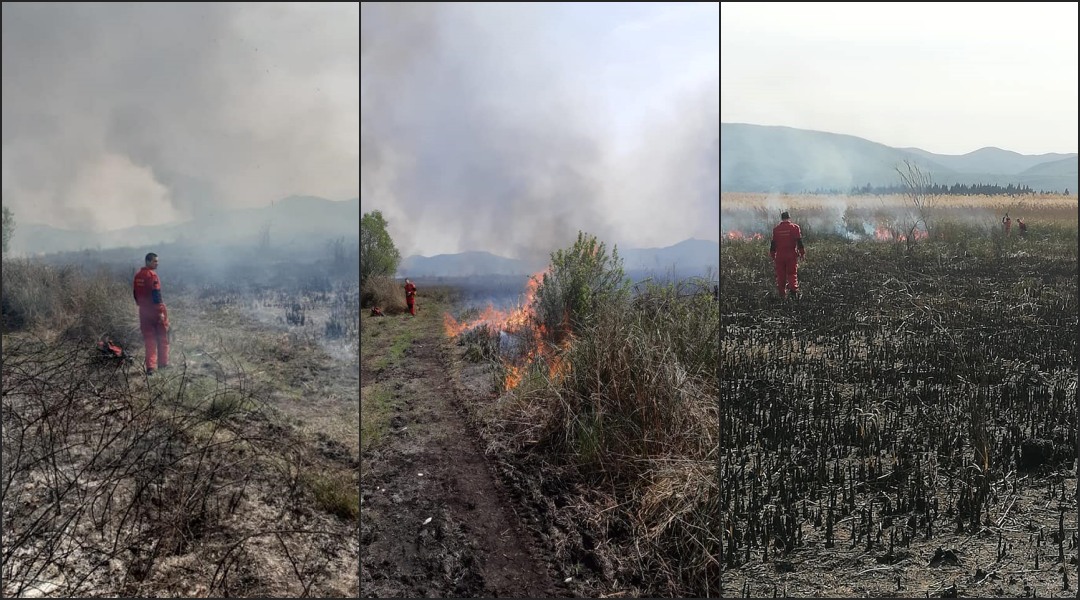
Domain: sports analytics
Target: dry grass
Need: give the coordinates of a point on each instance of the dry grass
(119, 485)
(810, 201)
(629, 399)
(81, 305)
(384, 293)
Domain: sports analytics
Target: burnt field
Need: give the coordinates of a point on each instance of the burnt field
(907, 428)
(233, 472)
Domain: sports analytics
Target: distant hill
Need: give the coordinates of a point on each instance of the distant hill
(991, 160)
(687, 257)
(295, 220)
(757, 158)
(464, 264)
(1065, 166)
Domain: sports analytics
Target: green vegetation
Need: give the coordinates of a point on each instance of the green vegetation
(623, 390)
(582, 281)
(378, 255)
(375, 406)
(8, 226)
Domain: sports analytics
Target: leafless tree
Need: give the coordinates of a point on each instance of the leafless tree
(918, 188)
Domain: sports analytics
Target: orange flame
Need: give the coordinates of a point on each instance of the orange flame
(518, 320)
(885, 234)
(738, 235)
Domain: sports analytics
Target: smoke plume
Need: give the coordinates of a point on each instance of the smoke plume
(479, 131)
(117, 115)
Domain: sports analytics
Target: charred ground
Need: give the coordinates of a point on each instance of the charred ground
(234, 472)
(908, 427)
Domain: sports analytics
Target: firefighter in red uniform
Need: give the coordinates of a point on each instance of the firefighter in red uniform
(410, 296)
(1007, 222)
(786, 248)
(1023, 227)
(153, 317)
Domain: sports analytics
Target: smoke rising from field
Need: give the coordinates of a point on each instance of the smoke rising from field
(116, 115)
(853, 217)
(478, 132)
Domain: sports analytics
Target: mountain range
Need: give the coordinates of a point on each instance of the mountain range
(759, 158)
(689, 257)
(292, 221)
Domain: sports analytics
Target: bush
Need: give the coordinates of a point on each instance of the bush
(384, 293)
(581, 281)
(66, 300)
(378, 255)
(630, 398)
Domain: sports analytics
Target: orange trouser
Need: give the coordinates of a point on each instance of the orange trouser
(786, 274)
(156, 339)
(412, 305)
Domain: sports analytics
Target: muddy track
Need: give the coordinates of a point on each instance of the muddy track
(434, 520)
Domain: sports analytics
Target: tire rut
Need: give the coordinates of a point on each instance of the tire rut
(434, 520)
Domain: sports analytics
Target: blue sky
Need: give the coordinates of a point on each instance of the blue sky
(945, 77)
(508, 127)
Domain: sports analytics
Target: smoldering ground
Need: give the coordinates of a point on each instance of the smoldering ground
(483, 130)
(851, 217)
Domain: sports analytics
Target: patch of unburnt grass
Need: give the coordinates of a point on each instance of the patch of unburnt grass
(621, 404)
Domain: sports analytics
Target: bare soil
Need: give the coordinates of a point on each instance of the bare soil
(435, 518)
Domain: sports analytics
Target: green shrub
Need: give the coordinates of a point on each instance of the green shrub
(581, 281)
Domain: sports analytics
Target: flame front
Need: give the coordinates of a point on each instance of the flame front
(519, 321)
(738, 235)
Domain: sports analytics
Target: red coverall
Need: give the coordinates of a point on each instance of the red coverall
(786, 248)
(410, 297)
(153, 318)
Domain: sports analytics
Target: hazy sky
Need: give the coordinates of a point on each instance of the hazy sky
(117, 115)
(947, 78)
(509, 127)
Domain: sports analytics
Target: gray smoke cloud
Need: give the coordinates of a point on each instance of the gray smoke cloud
(117, 115)
(479, 133)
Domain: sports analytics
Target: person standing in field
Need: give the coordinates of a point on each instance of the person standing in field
(153, 316)
(785, 250)
(410, 296)
(1023, 227)
(1007, 222)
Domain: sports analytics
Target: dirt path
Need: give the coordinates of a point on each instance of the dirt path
(434, 521)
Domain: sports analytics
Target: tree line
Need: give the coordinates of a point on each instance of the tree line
(938, 189)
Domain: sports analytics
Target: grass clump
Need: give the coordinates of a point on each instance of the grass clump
(335, 493)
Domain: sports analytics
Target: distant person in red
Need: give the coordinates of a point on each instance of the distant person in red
(786, 248)
(1023, 227)
(410, 296)
(153, 318)
(1007, 222)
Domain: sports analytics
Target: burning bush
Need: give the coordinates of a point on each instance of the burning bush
(623, 389)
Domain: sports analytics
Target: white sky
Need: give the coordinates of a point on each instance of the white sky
(948, 78)
(506, 127)
(124, 114)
